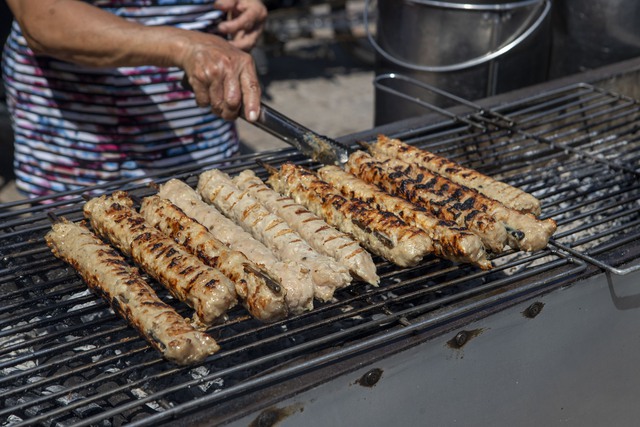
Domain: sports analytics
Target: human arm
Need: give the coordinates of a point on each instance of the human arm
(220, 74)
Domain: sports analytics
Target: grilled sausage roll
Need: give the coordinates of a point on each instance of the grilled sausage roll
(205, 289)
(382, 232)
(506, 194)
(449, 241)
(107, 274)
(435, 195)
(216, 187)
(525, 231)
(295, 280)
(321, 236)
(261, 296)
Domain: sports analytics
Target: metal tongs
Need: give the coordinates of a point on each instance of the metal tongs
(317, 147)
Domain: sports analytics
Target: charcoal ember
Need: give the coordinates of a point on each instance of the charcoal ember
(35, 379)
(118, 421)
(140, 393)
(139, 415)
(62, 421)
(63, 399)
(12, 420)
(35, 410)
(77, 380)
(113, 399)
(143, 411)
(207, 385)
(16, 400)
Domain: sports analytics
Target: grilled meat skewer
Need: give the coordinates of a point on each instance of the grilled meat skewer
(526, 232)
(260, 295)
(382, 232)
(436, 197)
(506, 194)
(296, 281)
(107, 274)
(449, 241)
(216, 187)
(321, 236)
(205, 289)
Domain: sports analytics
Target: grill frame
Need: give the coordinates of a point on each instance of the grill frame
(395, 332)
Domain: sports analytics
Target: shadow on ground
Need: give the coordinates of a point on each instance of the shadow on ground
(312, 60)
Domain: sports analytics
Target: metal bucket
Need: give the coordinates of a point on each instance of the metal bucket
(588, 34)
(472, 49)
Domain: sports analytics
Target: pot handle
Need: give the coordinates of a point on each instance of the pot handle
(476, 7)
(468, 63)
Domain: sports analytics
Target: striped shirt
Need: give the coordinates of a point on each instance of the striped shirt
(76, 126)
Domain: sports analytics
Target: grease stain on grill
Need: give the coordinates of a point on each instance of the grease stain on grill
(533, 310)
(370, 378)
(272, 416)
(463, 337)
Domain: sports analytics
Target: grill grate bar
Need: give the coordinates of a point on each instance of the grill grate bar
(39, 288)
(64, 408)
(553, 101)
(564, 133)
(594, 199)
(66, 345)
(628, 238)
(588, 239)
(19, 271)
(59, 306)
(43, 340)
(572, 113)
(595, 261)
(87, 366)
(52, 378)
(622, 115)
(10, 308)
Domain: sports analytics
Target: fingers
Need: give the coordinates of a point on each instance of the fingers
(227, 86)
(231, 98)
(251, 94)
(200, 87)
(246, 23)
(244, 41)
(222, 77)
(225, 5)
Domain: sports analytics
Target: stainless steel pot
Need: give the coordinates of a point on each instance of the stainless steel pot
(472, 49)
(588, 34)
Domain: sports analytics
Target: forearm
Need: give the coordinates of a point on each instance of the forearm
(78, 32)
(221, 75)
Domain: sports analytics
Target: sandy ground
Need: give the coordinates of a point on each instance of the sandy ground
(318, 84)
(332, 106)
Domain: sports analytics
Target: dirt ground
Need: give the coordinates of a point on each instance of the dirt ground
(319, 84)
(320, 87)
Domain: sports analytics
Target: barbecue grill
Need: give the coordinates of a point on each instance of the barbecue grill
(544, 337)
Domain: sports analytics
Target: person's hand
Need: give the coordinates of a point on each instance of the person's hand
(221, 76)
(245, 23)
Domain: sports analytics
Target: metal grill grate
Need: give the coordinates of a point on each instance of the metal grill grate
(66, 359)
(577, 149)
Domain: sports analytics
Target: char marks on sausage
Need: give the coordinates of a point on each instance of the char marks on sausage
(107, 274)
